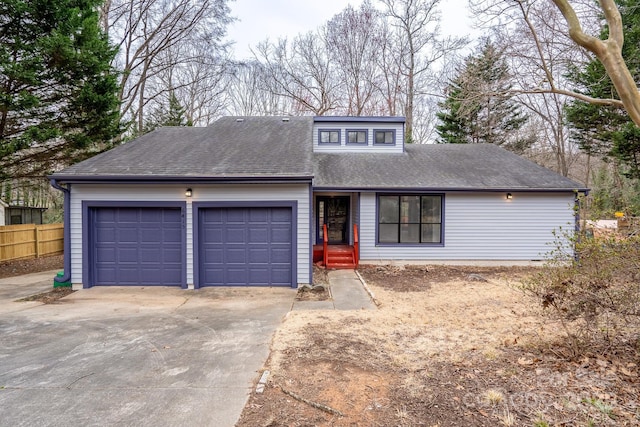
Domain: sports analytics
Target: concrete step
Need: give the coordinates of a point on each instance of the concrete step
(341, 265)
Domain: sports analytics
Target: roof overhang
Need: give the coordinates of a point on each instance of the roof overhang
(359, 119)
(138, 179)
(453, 189)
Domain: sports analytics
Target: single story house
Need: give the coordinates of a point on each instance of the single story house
(255, 200)
(17, 213)
(21, 214)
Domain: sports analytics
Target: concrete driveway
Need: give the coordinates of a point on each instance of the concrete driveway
(133, 356)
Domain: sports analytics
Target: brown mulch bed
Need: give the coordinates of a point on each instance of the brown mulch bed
(320, 289)
(50, 297)
(414, 278)
(34, 265)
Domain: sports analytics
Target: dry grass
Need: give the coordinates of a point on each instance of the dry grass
(460, 353)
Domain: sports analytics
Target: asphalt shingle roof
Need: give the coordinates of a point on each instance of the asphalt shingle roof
(436, 166)
(263, 148)
(251, 147)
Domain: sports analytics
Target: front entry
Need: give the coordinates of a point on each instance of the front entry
(333, 211)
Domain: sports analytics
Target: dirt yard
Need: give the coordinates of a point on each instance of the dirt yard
(448, 346)
(26, 266)
(36, 265)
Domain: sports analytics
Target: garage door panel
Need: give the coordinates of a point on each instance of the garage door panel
(150, 255)
(126, 235)
(107, 274)
(260, 277)
(137, 246)
(259, 255)
(127, 274)
(214, 217)
(259, 234)
(124, 216)
(281, 215)
(237, 256)
(105, 235)
(235, 216)
(169, 256)
(153, 235)
(212, 235)
(241, 246)
(107, 216)
(258, 215)
(107, 255)
(280, 234)
(127, 254)
(280, 256)
(236, 276)
(169, 235)
(281, 276)
(235, 235)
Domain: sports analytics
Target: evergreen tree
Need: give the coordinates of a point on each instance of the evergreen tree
(176, 114)
(604, 130)
(479, 107)
(173, 116)
(58, 101)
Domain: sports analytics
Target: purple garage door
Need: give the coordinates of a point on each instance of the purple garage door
(137, 246)
(245, 246)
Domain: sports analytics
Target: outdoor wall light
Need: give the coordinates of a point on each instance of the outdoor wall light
(509, 196)
(188, 192)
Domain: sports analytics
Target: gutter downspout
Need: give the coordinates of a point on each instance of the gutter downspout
(67, 231)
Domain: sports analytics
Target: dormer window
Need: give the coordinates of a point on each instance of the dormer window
(329, 136)
(384, 137)
(356, 137)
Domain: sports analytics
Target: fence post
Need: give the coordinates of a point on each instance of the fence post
(37, 233)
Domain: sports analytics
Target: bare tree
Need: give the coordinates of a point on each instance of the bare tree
(301, 70)
(532, 35)
(420, 44)
(542, 57)
(248, 94)
(353, 38)
(160, 40)
(578, 16)
(609, 52)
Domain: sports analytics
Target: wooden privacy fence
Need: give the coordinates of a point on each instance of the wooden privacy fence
(30, 241)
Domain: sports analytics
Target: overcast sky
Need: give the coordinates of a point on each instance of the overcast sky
(259, 19)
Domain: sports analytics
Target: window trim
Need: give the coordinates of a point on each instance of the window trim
(404, 245)
(366, 137)
(320, 131)
(385, 144)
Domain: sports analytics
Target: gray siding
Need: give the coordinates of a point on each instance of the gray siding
(480, 226)
(201, 193)
(354, 148)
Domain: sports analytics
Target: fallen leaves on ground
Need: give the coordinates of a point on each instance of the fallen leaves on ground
(443, 349)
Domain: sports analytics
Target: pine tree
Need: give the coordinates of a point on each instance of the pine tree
(176, 114)
(58, 102)
(479, 107)
(173, 116)
(603, 130)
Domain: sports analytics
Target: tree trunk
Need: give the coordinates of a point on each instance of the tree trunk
(609, 52)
